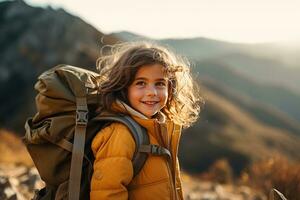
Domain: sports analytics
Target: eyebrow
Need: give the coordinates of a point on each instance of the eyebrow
(159, 79)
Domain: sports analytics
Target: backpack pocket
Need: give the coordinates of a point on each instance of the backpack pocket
(62, 191)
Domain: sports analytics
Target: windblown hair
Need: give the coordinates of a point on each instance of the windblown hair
(118, 69)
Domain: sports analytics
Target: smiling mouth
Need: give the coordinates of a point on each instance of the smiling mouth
(150, 102)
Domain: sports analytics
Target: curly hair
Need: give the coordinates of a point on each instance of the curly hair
(119, 66)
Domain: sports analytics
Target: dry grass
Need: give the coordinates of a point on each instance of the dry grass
(12, 149)
(219, 172)
(278, 173)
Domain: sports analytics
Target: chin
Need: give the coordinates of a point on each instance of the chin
(149, 115)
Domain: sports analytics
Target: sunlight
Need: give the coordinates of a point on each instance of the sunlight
(233, 20)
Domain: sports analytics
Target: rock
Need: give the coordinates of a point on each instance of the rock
(7, 191)
(18, 182)
(195, 189)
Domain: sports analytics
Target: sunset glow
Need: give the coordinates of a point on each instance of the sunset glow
(231, 20)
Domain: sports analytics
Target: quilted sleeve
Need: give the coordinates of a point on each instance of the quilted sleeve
(113, 148)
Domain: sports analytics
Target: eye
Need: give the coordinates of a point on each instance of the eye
(161, 84)
(140, 83)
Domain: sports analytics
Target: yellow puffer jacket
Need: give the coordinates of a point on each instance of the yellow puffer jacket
(113, 148)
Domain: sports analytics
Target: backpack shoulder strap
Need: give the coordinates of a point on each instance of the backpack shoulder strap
(139, 135)
(78, 147)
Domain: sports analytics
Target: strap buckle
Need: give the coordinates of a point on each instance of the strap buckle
(156, 150)
(81, 117)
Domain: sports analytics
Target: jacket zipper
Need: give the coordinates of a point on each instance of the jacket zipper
(172, 178)
(173, 171)
(173, 191)
(175, 158)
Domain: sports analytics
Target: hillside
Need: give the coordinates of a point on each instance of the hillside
(33, 40)
(194, 48)
(12, 149)
(270, 96)
(266, 69)
(261, 112)
(226, 131)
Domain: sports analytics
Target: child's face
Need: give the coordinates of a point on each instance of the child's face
(148, 93)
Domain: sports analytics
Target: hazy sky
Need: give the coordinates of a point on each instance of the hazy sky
(248, 21)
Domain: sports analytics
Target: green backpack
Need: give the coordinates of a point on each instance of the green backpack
(59, 136)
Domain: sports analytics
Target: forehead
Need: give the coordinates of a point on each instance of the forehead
(154, 71)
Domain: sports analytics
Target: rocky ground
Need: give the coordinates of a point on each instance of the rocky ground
(205, 190)
(19, 183)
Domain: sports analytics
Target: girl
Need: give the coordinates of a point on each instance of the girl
(153, 86)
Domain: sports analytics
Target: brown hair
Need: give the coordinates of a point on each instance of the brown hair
(118, 68)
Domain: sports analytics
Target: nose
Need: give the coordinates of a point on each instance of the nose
(151, 91)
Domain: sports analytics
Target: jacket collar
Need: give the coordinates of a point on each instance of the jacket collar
(151, 124)
(159, 127)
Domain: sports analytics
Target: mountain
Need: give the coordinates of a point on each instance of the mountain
(246, 59)
(129, 36)
(275, 97)
(226, 131)
(33, 40)
(194, 48)
(286, 53)
(205, 48)
(264, 69)
(261, 112)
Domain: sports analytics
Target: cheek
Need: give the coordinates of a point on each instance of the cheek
(133, 95)
(164, 96)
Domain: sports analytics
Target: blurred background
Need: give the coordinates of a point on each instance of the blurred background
(244, 54)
